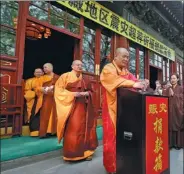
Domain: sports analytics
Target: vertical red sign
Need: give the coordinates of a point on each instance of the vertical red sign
(157, 144)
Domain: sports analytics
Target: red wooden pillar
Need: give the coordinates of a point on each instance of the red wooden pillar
(116, 42)
(160, 75)
(137, 63)
(97, 49)
(113, 45)
(97, 70)
(147, 66)
(76, 48)
(166, 70)
(20, 42)
(122, 42)
(174, 66)
(128, 45)
(112, 48)
(80, 49)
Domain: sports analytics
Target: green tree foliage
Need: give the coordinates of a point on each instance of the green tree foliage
(88, 50)
(9, 11)
(45, 11)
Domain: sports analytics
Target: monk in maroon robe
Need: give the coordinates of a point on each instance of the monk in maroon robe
(75, 113)
(48, 114)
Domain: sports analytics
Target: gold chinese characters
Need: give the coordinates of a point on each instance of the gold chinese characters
(155, 110)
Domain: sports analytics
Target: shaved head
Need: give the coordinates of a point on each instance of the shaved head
(38, 72)
(49, 65)
(38, 69)
(121, 57)
(76, 62)
(77, 66)
(48, 68)
(121, 50)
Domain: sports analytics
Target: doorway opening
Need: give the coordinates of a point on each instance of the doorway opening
(153, 76)
(57, 49)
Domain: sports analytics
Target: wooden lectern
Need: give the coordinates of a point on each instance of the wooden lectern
(142, 145)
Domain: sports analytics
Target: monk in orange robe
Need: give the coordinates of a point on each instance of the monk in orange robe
(48, 115)
(29, 93)
(76, 118)
(34, 100)
(114, 75)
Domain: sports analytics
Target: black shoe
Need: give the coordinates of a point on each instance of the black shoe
(43, 137)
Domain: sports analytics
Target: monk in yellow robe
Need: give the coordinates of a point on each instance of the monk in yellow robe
(29, 93)
(48, 115)
(76, 118)
(34, 121)
(114, 75)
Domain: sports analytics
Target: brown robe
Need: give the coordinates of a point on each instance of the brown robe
(164, 92)
(48, 115)
(149, 90)
(176, 117)
(80, 130)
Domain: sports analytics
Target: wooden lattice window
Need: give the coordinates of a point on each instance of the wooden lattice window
(166, 69)
(179, 70)
(53, 13)
(156, 60)
(141, 65)
(132, 60)
(88, 57)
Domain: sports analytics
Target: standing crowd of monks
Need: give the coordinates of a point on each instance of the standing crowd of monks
(63, 106)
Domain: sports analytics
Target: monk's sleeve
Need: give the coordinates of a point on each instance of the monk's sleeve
(133, 78)
(180, 93)
(39, 83)
(46, 78)
(178, 96)
(27, 86)
(61, 94)
(38, 87)
(111, 80)
(28, 93)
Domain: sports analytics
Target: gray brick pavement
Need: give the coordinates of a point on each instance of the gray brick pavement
(58, 166)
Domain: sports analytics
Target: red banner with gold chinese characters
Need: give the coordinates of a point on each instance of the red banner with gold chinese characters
(157, 144)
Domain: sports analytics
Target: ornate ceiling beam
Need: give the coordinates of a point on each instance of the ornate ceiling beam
(151, 16)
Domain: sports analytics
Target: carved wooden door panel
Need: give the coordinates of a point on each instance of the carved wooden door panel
(12, 58)
(11, 98)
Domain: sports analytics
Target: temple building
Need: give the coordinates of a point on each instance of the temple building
(37, 32)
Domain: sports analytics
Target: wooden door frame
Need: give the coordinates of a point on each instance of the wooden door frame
(21, 36)
(48, 25)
